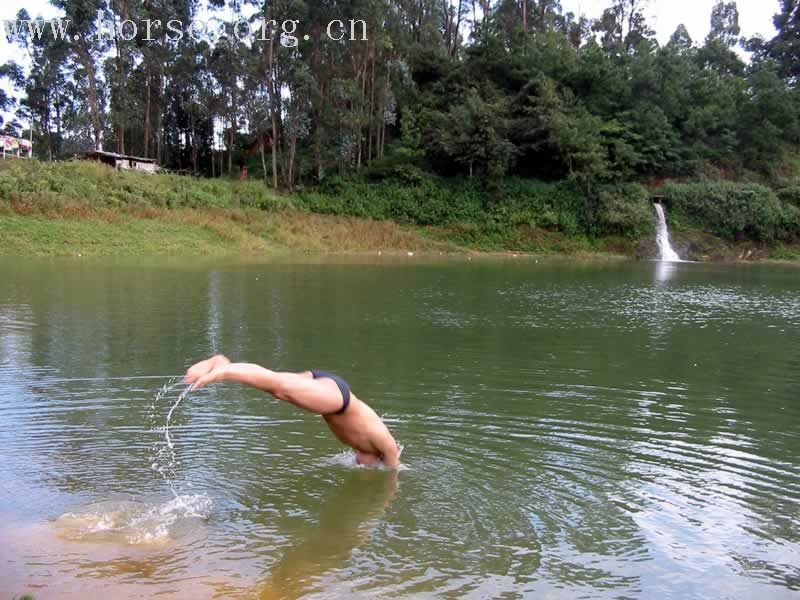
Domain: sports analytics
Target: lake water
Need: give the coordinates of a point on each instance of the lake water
(570, 430)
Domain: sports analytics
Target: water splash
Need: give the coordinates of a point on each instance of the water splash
(347, 458)
(183, 395)
(662, 237)
(133, 522)
(164, 460)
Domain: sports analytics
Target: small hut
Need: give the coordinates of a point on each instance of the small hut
(122, 162)
(15, 147)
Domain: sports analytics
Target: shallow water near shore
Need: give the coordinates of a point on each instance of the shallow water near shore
(604, 429)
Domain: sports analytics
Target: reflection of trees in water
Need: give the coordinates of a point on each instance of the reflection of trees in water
(16, 323)
(345, 522)
(214, 314)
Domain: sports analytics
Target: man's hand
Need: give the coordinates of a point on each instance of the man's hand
(201, 374)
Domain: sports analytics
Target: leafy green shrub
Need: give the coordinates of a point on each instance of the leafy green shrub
(730, 210)
(98, 185)
(568, 223)
(789, 228)
(790, 195)
(431, 200)
(625, 209)
(397, 167)
(539, 204)
(334, 184)
(329, 204)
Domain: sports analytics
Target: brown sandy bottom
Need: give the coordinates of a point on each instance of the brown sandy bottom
(46, 561)
(96, 553)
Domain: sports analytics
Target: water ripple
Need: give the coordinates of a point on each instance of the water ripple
(602, 434)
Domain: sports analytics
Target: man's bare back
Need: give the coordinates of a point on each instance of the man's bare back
(351, 420)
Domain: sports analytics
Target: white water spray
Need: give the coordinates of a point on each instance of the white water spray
(183, 395)
(163, 452)
(132, 522)
(662, 237)
(135, 522)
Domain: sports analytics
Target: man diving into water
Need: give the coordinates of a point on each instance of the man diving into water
(351, 420)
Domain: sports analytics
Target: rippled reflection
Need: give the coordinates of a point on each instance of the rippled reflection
(569, 430)
(665, 270)
(348, 514)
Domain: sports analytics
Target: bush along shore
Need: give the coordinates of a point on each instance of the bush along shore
(68, 208)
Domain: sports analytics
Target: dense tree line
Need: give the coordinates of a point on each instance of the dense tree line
(460, 87)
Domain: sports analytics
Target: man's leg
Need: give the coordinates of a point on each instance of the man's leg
(301, 389)
(321, 396)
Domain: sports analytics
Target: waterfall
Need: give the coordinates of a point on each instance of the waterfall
(662, 237)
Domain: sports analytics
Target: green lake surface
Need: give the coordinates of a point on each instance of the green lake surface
(570, 430)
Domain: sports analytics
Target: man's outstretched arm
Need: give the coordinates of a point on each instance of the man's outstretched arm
(320, 396)
(390, 452)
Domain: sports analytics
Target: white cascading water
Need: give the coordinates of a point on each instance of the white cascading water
(662, 237)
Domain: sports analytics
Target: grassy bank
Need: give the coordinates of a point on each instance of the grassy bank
(208, 232)
(88, 209)
(76, 208)
(708, 218)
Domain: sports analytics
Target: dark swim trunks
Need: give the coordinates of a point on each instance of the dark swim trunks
(343, 387)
